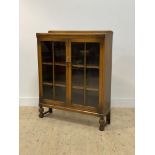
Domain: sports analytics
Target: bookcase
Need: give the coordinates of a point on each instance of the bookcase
(75, 72)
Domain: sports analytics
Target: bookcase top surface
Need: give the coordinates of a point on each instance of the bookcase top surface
(76, 32)
(79, 31)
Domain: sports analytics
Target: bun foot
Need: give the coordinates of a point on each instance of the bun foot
(41, 115)
(41, 110)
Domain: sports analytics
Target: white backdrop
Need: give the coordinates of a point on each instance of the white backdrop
(41, 16)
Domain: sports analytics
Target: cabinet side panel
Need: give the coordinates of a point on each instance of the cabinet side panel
(108, 70)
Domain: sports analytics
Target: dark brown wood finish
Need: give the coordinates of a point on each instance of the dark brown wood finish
(102, 108)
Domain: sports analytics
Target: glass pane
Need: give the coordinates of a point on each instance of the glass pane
(77, 96)
(77, 76)
(60, 94)
(60, 74)
(92, 53)
(47, 73)
(92, 98)
(92, 78)
(46, 48)
(77, 53)
(60, 52)
(47, 92)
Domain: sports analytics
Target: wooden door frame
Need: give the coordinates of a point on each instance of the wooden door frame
(89, 40)
(101, 79)
(68, 73)
(69, 70)
(40, 69)
(40, 66)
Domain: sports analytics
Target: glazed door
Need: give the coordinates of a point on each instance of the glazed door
(53, 54)
(85, 73)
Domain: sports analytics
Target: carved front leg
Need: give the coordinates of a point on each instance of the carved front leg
(41, 111)
(102, 123)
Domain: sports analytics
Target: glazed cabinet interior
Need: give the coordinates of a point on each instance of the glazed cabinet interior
(70, 60)
(75, 72)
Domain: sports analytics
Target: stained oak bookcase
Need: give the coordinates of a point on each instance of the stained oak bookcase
(75, 72)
